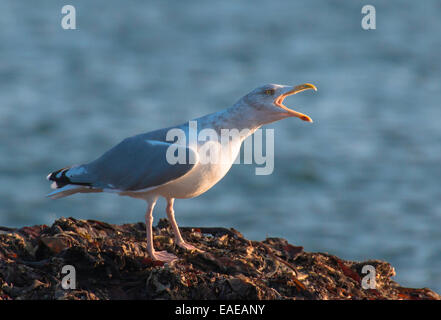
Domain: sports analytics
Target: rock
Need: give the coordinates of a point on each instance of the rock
(110, 262)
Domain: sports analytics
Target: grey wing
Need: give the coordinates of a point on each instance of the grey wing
(132, 165)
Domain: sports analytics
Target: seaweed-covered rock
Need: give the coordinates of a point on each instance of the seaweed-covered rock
(110, 262)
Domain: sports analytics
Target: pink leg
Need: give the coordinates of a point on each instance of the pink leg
(178, 238)
(155, 255)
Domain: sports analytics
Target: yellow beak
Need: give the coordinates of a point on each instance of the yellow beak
(302, 87)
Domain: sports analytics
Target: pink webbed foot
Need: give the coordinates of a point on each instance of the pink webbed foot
(164, 256)
(188, 246)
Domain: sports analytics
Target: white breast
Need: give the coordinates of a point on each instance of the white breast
(214, 162)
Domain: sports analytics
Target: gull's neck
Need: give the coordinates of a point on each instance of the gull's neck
(239, 116)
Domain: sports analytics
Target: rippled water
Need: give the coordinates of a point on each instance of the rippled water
(362, 182)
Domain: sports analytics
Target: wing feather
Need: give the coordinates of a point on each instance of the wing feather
(132, 165)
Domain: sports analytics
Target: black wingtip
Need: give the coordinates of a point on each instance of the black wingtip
(61, 180)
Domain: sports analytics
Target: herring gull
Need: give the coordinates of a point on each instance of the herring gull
(140, 165)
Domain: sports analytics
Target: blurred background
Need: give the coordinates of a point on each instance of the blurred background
(362, 181)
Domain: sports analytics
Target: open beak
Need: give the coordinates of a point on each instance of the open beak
(302, 87)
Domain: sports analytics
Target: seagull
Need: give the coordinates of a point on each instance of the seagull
(144, 166)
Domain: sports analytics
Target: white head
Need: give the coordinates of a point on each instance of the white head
(266, 102)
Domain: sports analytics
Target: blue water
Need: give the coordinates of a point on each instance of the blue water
(362, 182)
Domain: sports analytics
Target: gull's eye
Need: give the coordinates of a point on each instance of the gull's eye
(269, 92)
